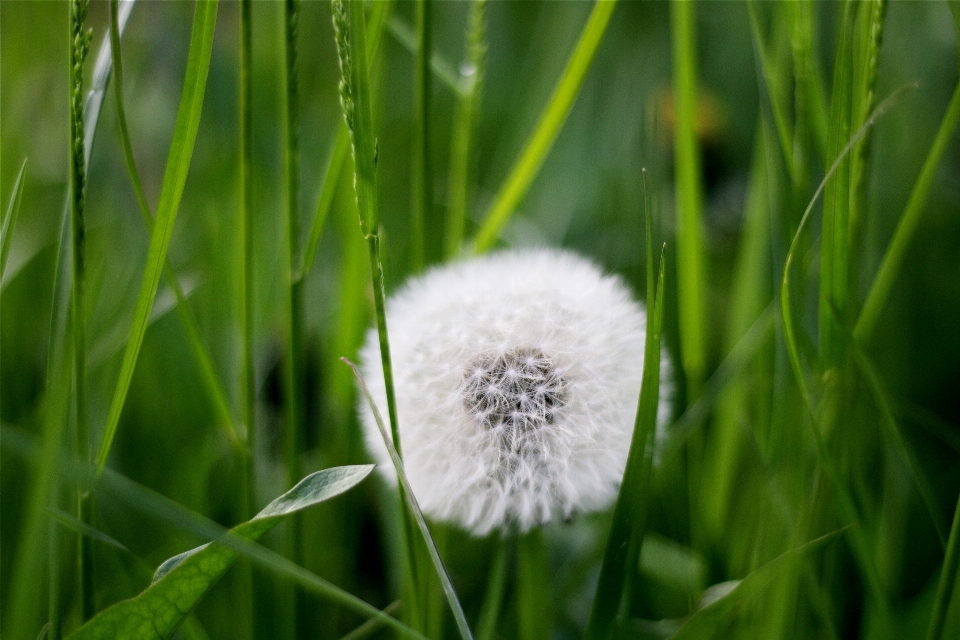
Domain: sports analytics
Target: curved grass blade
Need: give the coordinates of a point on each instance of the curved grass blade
(448, 590)
(183, 580)
(541, 140)
(894, 256)
(712, 620)
(77, 525)
(10, 219)
(175, 176)
(199, 350)
(948, 579)
(626, 532)
(372, 625)
(846, 502)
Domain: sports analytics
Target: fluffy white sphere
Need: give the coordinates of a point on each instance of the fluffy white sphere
(517, 377)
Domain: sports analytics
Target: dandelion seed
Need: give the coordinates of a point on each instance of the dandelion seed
(517, 379)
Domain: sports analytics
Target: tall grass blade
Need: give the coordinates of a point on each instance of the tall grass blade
(10, 218)
(420, 163)
(464, 121)
(182, 581)
(175, 176)
(541, 140)
(448, 590)
(623, 542)
(916, 204)
(350, 31)
(199, 350)
(948, 579)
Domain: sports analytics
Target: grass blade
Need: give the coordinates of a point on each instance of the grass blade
(721, 614)
(623, 543)
(896, 252)
(691, 277)
(175, 176)
(541, 140)
(948, 578)
(448, 590)
(183, 580)
(199, 350)
(10, 218)
(420, 165)
(465, 118)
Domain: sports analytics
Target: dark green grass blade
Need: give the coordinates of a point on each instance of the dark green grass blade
(199, 350)
(712, 620)
(421, 184)
(948, 579)
(541, 140)
(441, 68)
(10, 218)
(916, 204)
(182, 581)
(493, 596)
(623, 541)
(372, 625)
(175, 176)
(448, 590)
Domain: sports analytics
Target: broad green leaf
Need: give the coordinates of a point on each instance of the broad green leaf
(10, 218)
(175, 177)
(182, 581)
(736, 598)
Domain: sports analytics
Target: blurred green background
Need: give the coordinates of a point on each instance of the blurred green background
(588, 196)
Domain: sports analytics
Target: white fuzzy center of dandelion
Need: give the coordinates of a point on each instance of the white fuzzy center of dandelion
(515, 394)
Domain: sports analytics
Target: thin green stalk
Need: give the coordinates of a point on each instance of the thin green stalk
(534, 611)
(411, 501)
(422, 176)
(250, 590)
(539, 143)
(948, 578)
(916, 205)
(197, 347)
(460, 149)
(245, 258)
(79, 47)
(178, 162)
(293, 384)
(691, 276)
(350, 30)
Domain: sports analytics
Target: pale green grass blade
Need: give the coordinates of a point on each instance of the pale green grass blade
(411, 499)
(458, 180)
(175, 176)
(372, 625)
(909, 220)
(776, 90)
(199, 350)
(752, 591)
(948, 579)
(623, 542)
(181, 582)
(440, 67)
(541, 140)
(691, 274)
(76, 525)
(10, 218)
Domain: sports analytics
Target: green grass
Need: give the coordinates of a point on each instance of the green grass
(799, 162)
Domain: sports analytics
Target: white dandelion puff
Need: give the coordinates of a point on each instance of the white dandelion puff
(517, 377)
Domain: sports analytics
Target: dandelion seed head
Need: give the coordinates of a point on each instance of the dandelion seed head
(517, 377)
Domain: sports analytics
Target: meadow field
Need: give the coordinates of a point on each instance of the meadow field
(208, 205)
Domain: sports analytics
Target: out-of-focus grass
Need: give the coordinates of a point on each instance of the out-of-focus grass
(777, 93)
